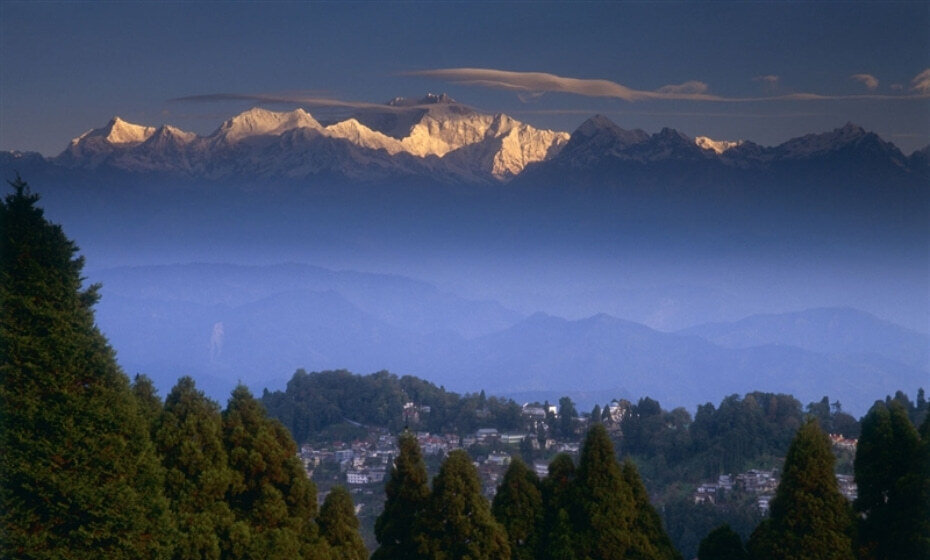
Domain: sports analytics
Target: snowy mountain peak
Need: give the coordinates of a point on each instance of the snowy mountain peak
(717, 146)
(169, 135)
(262, 122)
(117, 131)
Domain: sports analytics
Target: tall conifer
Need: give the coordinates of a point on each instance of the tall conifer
(339, 526)
(457, 523)
(652, 538)
(273, 501)
(888, 484)
(189, 438)
(517, 506)
(810, 518)
(605, 529)
(560, 510)
(407, 493)
(78, 473)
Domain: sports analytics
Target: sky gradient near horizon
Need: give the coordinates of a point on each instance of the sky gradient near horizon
(759, 71)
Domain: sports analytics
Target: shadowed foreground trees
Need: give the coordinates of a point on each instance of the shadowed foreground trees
(518, 508)
(273, 501)
(79, 477)
(457, 523)
(339, 526)
(810, 518)
(893, 479)
(91, 467)
(189, 439)
(722, 544)
(407, 492)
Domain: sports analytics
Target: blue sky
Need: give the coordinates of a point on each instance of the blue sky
(758, 71)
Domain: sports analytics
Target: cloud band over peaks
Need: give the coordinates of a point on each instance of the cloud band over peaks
(534, 82)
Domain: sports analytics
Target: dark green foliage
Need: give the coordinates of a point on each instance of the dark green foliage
(810, 519)
(273, 501)
(647, 521)
(604, 528)
(916, 411)
(722, 544)
(889, 484)
(457, 523)
(189, 438)
(560, 506)
(921, 487)
(313, 402)
(728, 438)
(407, 494)
(150, 405)
(79, 477)
(560, 538)
(517, 507)
(688, 523)
(339, 526)
(567, 414)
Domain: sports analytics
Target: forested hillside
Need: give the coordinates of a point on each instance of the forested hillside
(94, 465)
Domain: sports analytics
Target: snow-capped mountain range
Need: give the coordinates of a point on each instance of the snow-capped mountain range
(434, 137)
(441, 137)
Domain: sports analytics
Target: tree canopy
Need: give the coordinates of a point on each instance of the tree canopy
(339, 526)
(79, 477)
(457, 523)
(407, 493)
(810, 519)
(517, 506)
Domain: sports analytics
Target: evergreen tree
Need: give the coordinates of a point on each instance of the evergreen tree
(810, 519)
(647, 524)
(596, 413)
(517, 507)
(457, 523)
(888, 484)
(339, 526)
(920, 485)
(605, 527)
(560, 538)
(407, 494)
(560, 507)
(189, 438)
(723, 543)
(79, 477)
(567, 414)
(150, 405)
(273, 501)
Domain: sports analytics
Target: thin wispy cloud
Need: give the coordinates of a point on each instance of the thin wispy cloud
(868, 80)
(921, 82)
(685, 88)
(286, 98)
(545, 82)
(541, 82)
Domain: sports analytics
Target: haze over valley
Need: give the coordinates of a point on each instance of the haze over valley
(426, 237)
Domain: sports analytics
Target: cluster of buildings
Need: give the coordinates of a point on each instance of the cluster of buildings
(368, 462)
(762, 483)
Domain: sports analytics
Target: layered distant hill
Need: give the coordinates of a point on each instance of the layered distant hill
(225, 323)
